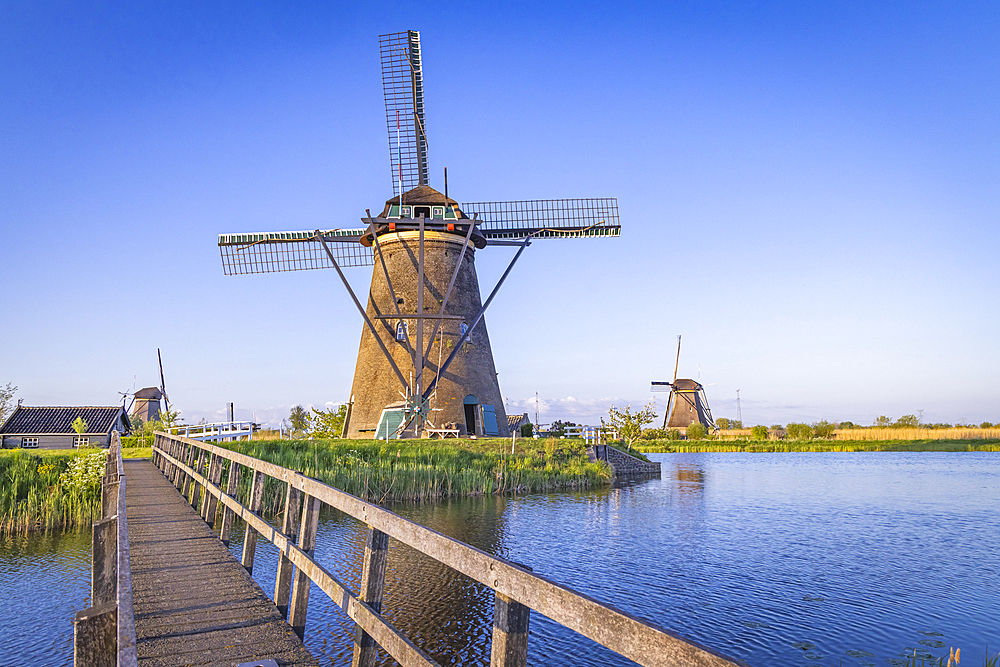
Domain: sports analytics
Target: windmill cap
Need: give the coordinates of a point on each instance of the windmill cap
(422, 195)
(686, 384)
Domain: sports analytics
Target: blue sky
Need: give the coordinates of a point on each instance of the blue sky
(808, 193)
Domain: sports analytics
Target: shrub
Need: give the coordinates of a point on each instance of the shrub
(758, 432)
(654, 434)
(696, 431)
(527, 430)
(799, 431)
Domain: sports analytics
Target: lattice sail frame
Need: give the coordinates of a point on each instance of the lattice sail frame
(403, 87)
(547, 218)
(271, 252)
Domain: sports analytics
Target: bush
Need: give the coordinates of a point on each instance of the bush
(824, 429)
(654, 434)
(527, 430)
(799, 431)
(696, 431)
(673, 434)
(758, 432)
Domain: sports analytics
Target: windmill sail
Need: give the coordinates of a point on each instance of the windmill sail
(547, 218)
(269, 252)
(403, 86)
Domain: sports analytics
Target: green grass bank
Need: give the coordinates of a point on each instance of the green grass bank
(763, 446)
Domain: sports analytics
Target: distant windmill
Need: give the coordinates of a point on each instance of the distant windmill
(687, 402)
(146, 401)
(424, 290)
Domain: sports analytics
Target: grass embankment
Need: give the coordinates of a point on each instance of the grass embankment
(428, 469)
(942, 445)
(49, 489)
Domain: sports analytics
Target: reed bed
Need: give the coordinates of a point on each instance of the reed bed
(764, 446)
(50, 490)
(424, 469)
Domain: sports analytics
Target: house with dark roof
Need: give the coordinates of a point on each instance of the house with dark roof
(515, 422)
(52, 427)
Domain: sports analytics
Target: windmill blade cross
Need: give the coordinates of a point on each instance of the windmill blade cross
(270, 252)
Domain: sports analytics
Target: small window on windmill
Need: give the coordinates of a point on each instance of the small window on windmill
(421, 211)
(406, 212)
(439, 212)
(449, 213)
(401, 331)
(394, 211)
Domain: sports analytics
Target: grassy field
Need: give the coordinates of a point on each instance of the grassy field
(427, 469)
(900, 445)
(47, 489)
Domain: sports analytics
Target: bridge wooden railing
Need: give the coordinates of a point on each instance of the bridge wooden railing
(194, 466)
(104, 634)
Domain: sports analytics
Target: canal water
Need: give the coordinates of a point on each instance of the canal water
(791, 560)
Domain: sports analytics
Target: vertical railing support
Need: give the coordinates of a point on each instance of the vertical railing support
(510, 632)
(307, 542)
(211, 505)
(104, 551)
(250, 536)
(196, 488)
(232, 484)
(189, 454)
(283, 583)
(372, 586)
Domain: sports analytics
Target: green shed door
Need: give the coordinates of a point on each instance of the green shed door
(388, 423)
(490, 420)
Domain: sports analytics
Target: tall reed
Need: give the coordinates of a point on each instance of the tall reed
(422, 469)
(45, 491)
(958, 433)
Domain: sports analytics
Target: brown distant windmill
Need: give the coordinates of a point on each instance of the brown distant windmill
(425, 359)
(687, 402)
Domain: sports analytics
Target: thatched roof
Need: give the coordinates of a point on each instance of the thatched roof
(422, 195)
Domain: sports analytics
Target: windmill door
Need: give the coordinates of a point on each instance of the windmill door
(388, 424)
(490, 421)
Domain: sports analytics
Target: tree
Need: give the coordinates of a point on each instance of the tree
(328, 424)
(907, 421)
(628, 425)
(79, 425)
(797, 431)
(6, 401)
(882, 421)
(759, 432)
(696, 431)
(527, 430)
(723, 423)
(986, 425)
(824, 429)
(299, 419)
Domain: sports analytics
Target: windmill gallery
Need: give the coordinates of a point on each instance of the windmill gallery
(425, 362)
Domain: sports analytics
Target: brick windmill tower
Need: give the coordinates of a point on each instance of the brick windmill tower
(425, 360)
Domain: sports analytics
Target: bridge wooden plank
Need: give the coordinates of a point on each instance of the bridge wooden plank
(194, 603)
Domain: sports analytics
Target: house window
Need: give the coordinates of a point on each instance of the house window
(81, 441)
(401, 331)
(29, 443)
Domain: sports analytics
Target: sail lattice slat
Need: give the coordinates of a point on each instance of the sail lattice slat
(547, 218)
(403, 87)
(270, 252)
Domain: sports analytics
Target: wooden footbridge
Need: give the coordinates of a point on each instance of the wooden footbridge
(167, 591)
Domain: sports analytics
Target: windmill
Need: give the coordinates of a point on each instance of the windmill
(424, 292)
(687, 402)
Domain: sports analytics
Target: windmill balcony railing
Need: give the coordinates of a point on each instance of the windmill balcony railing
(196, 469)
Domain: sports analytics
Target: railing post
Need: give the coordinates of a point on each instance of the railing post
(211, 502)
(104, 552)
(95, 637)
(188, 459)
(250, 536)
(307, 543)
(510, 632)
(283, 583)
(372, 586)
(232, 484)
(199, 468)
